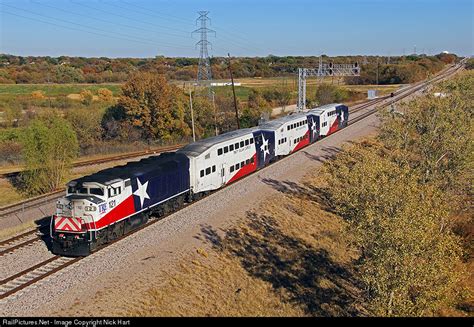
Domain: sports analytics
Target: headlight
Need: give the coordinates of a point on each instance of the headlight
(90, 208)
(59, 206)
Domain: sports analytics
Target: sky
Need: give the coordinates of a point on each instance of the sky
(149, 28)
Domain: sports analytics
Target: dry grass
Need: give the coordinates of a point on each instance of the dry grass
(290, 259)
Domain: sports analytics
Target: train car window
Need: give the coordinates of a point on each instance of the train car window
(288, 127)
(242, 164)
(252, 160)
(247, 161)
(219, 151)
(231, 169)
(213, 169)
(247, 142)
(251, 140)
(208, 170)
(202, 173)
(96, 191)
(208, 156)
(236, 146)
(231, 147)
(242, 143)
(237, 166)
(226, 149)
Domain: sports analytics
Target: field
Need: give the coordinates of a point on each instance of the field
(53, 90)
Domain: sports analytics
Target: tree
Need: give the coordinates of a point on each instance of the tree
(105, 94)
(86, 97)
(49, 146)
(410, 265)
(435, 133)
(327, 93)
(86, 123)
(153, 106)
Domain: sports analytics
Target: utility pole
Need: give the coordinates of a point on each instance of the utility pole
(377, 70)
(192, 113)
(215, 111)
(233, 91)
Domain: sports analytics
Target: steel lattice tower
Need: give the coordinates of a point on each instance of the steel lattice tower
(204, 75)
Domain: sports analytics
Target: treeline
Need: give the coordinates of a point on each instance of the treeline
(17, 69)
(149, 112)
(407, 198)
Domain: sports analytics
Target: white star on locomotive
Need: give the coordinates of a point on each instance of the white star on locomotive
(264, 148)
(141, 191)
(313, 127)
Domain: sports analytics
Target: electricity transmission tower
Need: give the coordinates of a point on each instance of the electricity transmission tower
(204, 75)
(323, 70)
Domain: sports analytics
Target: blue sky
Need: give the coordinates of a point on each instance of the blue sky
(146, 28)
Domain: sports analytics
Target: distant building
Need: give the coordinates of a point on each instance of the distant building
(372, 94)
(225, 84)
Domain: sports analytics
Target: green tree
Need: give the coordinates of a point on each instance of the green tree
(328, 93)
(154, 106)
(410, 265)
(49, 146)
(86, 123)
(435, 134)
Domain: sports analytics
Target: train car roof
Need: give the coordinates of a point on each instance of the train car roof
(164, 162)
(197, 148)
(277, 123)
(324, 108)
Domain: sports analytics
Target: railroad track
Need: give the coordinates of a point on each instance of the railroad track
(48, 197)
(42, 270)
(19, 242)
(107, 159)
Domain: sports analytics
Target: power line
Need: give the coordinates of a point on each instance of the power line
(94, 18)
(94, 28)
(158, 13)
(131, 19)
(71, 28)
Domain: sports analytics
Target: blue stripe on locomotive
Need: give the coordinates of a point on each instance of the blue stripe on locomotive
(262, 138)
(166, 179)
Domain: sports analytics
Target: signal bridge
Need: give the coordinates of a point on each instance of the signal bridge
(323, 70)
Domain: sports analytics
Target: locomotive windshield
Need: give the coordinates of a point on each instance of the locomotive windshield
(85, 190)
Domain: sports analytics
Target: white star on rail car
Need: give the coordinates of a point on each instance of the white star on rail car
(141, 191)
(264, 148)
(313, 127)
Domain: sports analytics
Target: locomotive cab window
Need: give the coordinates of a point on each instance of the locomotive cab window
(96, 191)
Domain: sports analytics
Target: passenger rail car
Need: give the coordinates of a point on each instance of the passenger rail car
(101, 207)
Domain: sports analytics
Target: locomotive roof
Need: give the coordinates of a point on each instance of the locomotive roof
(196, 148)
(166, 161)
(277, 123)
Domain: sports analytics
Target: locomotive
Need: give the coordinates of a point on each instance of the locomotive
(103, 206)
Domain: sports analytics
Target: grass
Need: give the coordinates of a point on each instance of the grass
(288, 258)
(52, 90)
